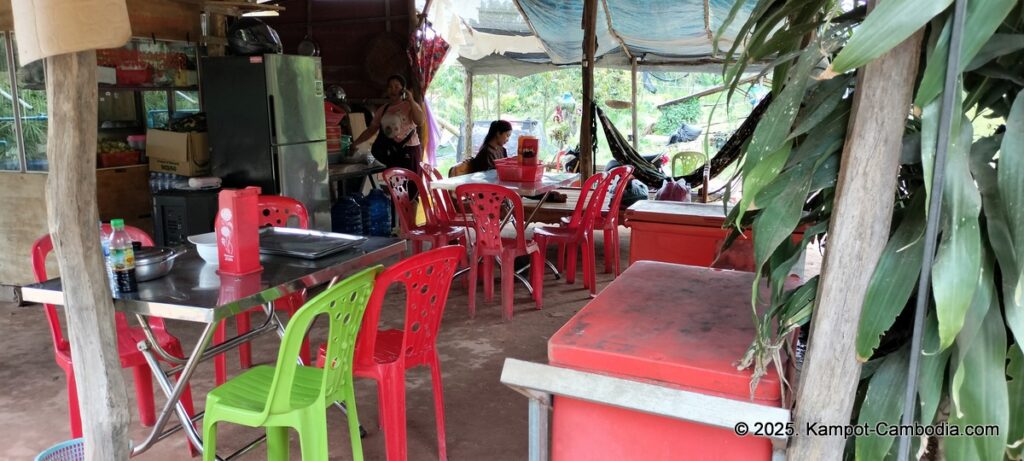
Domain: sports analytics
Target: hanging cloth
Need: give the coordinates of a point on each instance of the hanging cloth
(426, 53)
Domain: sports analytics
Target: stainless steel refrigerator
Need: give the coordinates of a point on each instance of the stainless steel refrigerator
(265, 120)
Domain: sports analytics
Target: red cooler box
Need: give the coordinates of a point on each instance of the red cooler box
(668, 324)
(684, 233)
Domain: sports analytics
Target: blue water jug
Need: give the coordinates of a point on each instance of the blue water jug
(346, 216)
(379, 213)
(364, 208)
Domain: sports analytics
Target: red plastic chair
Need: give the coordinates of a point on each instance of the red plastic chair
(127, 340)
(609, 220)
(274, 211)
(577, 215)
(445, 209)
(484, 202)
(384, 355)
(435, 231)
(580, 232)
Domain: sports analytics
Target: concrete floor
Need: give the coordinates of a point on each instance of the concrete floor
(485, 419)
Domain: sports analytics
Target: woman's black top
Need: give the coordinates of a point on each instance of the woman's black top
(484, 159)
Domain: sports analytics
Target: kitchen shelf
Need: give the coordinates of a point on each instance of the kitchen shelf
(122, 87)
(148, 88)
(232, 8)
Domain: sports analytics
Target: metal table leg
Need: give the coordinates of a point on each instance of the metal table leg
(150, 349)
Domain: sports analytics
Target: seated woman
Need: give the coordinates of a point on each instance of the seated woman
(493, 147)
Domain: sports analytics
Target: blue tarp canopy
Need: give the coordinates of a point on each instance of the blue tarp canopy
(662, 34)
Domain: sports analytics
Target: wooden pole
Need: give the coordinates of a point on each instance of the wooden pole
(497, 99)
(589, 46)
(636, 133)
(858, 231)
(73, 217)
(467, 141)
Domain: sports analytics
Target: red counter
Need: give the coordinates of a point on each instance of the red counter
(678, 326)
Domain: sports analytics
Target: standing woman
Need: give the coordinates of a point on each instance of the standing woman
(398, 121)
(493, 147)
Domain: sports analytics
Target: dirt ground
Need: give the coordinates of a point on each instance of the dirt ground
(485, 419)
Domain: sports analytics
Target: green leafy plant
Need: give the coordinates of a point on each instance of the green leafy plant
(677, 114)
(972, 369)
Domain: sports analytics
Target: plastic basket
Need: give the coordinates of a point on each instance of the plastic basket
(71, 450)
(115, 159)
(510, 170)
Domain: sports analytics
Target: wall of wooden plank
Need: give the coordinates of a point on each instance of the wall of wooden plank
(346, 32)
(22, 221)
(165, 19)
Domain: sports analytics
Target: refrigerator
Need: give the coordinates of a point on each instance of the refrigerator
(265, 123)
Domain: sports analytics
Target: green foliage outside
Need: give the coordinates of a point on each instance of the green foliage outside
(971, 363)
(537, 96)
(677, 114)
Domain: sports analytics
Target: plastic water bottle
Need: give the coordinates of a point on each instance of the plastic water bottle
(347, 217)
(364, 212)
(105, 244)
(122, 258)
(379, 213)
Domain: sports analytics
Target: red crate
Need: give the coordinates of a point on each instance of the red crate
(134, 73)
(124, 158)
(509, 169)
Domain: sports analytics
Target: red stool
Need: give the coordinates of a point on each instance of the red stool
(127, 340)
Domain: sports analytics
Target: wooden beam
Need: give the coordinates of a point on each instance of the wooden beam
(614, 33)
(589, 46)
(467, 141)
(73, 217)
(447, 125)
(858, 231)
(706, 92)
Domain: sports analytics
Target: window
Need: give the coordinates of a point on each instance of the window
(10, 155)
(32, 102)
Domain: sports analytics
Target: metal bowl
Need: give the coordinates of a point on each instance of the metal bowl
(154, 262)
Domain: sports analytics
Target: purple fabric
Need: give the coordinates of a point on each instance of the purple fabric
(430, 146)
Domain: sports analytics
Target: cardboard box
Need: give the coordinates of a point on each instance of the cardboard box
(185, 154)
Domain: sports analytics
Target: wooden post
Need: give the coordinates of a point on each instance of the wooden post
(636, 134)
(467, 142)
(497, 98)
(857, 233)
(589, 46)
(73, 217)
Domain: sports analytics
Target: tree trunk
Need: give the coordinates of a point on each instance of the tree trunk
(589, 44)
(73, 216)
(858, 232)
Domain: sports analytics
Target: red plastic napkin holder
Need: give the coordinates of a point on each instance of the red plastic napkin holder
(237, 227)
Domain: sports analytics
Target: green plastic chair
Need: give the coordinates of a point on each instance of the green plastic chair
(289, 395)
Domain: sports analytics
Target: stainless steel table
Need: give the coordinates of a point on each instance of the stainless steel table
(194, 291)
